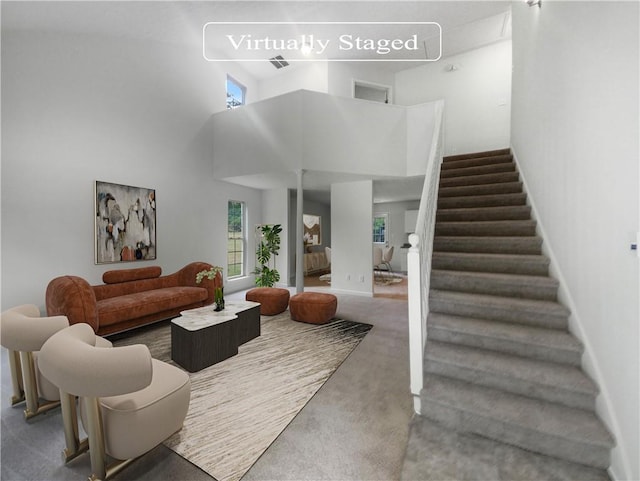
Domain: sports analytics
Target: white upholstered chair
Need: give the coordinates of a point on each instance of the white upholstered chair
(387, 255)
(22, 333)
(327, 253)
(382, 257)
(377, 257)
(129, 402)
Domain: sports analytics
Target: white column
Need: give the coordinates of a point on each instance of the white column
(299, 235)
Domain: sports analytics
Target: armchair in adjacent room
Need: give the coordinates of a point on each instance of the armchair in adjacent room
(327, 253)
(382, 257)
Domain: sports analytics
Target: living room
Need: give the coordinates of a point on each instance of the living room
(91, 92)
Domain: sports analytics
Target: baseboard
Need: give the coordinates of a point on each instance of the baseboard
(352, 293)
(604, 407)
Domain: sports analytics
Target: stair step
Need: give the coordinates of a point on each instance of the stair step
(435, 453)
(482, 189)
(530, 312)
(476, 162)
(547, 381)
(490, 200)
(491, 245)
(510, 285)
(464, 171)
(533, 265)
(534, 342)
(510, 212)
(481, 179)
(497, 228)
(548, 428)
(477, 155)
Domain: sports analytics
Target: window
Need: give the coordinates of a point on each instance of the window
(236, 93)
(235, 239)
(380, 222)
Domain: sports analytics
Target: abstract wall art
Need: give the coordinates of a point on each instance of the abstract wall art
(312, 232)
(125, 223)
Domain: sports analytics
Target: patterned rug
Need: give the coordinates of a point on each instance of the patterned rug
(240, 406)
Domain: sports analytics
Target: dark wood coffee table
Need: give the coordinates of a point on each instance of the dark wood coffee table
(202, 337)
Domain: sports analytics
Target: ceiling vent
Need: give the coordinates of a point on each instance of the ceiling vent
(278, 62)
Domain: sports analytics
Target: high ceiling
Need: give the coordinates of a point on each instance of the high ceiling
(465, 25)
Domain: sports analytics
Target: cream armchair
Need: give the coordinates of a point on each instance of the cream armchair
(129, 402)
(382, 257)
(22, 333)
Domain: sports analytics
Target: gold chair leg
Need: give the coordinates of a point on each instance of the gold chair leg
(75, 446)
(30, 385)
(31, 388)
(96, 438)
(101, 471)
(16, 378)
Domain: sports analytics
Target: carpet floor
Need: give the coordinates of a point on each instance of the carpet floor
(240, 406)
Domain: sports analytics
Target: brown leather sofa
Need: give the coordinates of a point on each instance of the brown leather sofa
(130, 297)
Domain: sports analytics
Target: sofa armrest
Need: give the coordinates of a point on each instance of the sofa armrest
(73, 297)
(187, 277)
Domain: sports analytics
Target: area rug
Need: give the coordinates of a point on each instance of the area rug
(240, 406)
(385, 279)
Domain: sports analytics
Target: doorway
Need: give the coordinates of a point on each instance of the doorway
(372, 91)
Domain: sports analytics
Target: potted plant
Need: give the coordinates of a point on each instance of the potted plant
(219, 291)
(266, 252)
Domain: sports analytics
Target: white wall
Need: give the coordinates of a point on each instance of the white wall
(352, 250)
(335, 78)
(477, 96)
(80, 108)
(275, 206)
(575, 134)
(396, 234)
(321, 132)
(307, 76)
(342, 75)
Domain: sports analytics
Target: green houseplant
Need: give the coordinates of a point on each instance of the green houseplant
(266, 252)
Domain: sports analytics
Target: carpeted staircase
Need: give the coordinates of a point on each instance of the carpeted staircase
(499, 360)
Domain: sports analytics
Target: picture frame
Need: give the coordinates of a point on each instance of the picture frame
(125, 223)
(312, 230)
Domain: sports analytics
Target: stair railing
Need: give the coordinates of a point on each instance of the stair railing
(419, 260)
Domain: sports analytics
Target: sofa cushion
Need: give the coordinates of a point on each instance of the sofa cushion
(132, 306)
(126, 275)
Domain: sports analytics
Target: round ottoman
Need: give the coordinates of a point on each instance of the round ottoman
(313, 307)
(273, 300)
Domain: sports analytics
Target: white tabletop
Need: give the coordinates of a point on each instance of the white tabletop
(201, 317)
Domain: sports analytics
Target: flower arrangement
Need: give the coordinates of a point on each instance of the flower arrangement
(208, 273)
(219, 291)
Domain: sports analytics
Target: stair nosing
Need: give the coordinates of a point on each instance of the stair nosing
(506, 366)
(546, 281)
(476, 179)
(498, 330)
(533, 405)
(500, 167)
(478, 155)
(489, 299)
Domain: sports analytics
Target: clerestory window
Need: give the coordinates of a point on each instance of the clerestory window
(236, 93)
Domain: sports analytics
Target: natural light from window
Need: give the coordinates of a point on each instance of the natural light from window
(235, 239)
(236, 93)
(380, 228)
